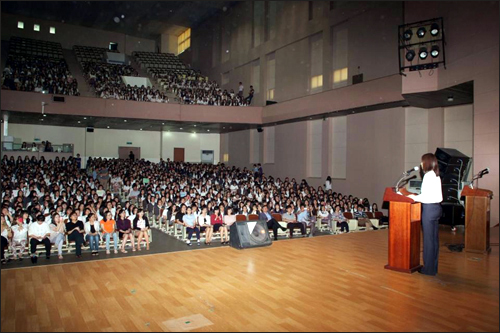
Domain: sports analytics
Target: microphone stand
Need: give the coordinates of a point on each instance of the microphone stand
(404, 175)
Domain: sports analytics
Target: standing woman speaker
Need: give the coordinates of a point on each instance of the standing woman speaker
(431, 196)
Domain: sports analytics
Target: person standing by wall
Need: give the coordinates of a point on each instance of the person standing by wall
(240, 90)
(250, 95)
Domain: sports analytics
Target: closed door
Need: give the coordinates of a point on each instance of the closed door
(178, 154)
(124, 152)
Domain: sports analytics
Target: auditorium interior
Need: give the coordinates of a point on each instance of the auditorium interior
(249, 166)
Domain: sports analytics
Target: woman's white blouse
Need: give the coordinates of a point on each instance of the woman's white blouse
(431, 189)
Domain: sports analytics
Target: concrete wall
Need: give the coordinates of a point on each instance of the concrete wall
(105, 142)
(69, 35)
(371, 29)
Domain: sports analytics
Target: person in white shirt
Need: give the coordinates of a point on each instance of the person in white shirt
(39, 233)
(240, 90)
(19, 239)
(328, 183)
(5, 237)
(141, 227)
(57, 236)
(204, 221)
(431, 196)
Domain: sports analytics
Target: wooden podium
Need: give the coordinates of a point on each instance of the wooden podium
(404, 232)
(477, 219)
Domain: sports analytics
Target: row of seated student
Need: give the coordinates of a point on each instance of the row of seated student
(17, 236)
(197, 89)
(39, 74)
(60, 186)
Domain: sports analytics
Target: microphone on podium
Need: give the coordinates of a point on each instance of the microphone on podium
(415, 168)
(405, 174)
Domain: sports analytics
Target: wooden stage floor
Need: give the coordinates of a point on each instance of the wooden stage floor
(330, 283)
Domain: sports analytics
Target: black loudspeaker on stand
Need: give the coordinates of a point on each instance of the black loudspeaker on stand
(248, 234)
(454, 168)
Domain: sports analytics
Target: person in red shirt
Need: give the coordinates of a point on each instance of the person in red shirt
(218, 225)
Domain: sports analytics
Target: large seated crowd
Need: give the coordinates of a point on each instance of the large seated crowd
(39, 74)
(106, 80)
(195, 88)
(56, 202)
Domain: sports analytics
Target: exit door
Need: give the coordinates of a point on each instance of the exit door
(178, 154)
(124, 152)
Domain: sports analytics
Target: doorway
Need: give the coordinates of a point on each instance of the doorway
(124, 152)
(178, 154)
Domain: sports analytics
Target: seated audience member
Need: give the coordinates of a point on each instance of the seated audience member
(6, 232)
(291, 220)
(75, 230)
(325, 217)
(205, 224)
(39, 233)
(124, 227)
(108, 227)
(339, 218)
(92, 228)
(277, 209)
(218, 224)
(58, 233)
(190, 223)
(141, 227)
(363, 220)
(179, 217)
(304, 217)
(229, 220)
(134, 193)
(271, 222)
(19, 239)
(244, 211)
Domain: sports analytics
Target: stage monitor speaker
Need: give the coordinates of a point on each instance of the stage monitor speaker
(451, 156)
(450, 194)
(270, 102)
(90, 130)
(248, 234)
(58, 98)
(450, 179)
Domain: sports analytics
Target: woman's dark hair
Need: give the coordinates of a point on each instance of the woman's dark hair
(429, 162)
(329, 179)
(89, 216)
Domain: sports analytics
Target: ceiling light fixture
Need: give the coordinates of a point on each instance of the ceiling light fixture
(434, 29)
(422, 53)
(421, 32)
(407, 34)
